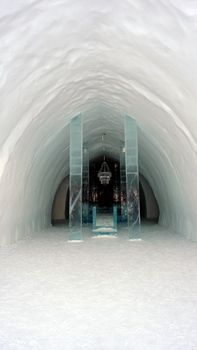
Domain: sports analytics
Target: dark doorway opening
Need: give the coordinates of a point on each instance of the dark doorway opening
(104, 195)
(67, 205)
(143, 213)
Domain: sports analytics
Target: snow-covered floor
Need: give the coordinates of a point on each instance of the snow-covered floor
(101, 294)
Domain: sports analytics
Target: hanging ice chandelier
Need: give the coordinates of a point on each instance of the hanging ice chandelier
(104, 173)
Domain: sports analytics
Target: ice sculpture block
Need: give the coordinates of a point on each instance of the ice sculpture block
(132, 178)
(76, 158)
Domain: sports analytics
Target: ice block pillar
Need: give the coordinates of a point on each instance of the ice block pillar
(123, 190)
(132, 177)
(85, 211)
(76, 159)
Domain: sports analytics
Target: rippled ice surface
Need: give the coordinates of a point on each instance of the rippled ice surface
(99, 294)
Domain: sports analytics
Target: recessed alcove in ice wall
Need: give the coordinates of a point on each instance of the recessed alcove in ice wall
(60, 207)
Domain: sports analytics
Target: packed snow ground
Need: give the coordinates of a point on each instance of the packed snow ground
(104, 294)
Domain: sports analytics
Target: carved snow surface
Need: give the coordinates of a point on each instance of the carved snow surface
(99, 294)
(103, 59)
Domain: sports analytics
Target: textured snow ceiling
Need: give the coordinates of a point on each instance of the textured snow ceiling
(102, 59)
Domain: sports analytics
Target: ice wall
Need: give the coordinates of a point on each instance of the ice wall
(103, 59)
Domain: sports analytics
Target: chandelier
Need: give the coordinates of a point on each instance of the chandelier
(104, 173)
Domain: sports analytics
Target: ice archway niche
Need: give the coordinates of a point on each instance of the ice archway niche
(103, 143)
(136, 57)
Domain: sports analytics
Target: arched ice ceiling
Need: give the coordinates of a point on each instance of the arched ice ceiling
(102, 59)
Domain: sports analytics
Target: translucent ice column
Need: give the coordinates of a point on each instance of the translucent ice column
(85, 185)
(132, 177)
(123, 190)
(75, 205)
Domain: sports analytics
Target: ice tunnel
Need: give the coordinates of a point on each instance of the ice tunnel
(103, 60)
